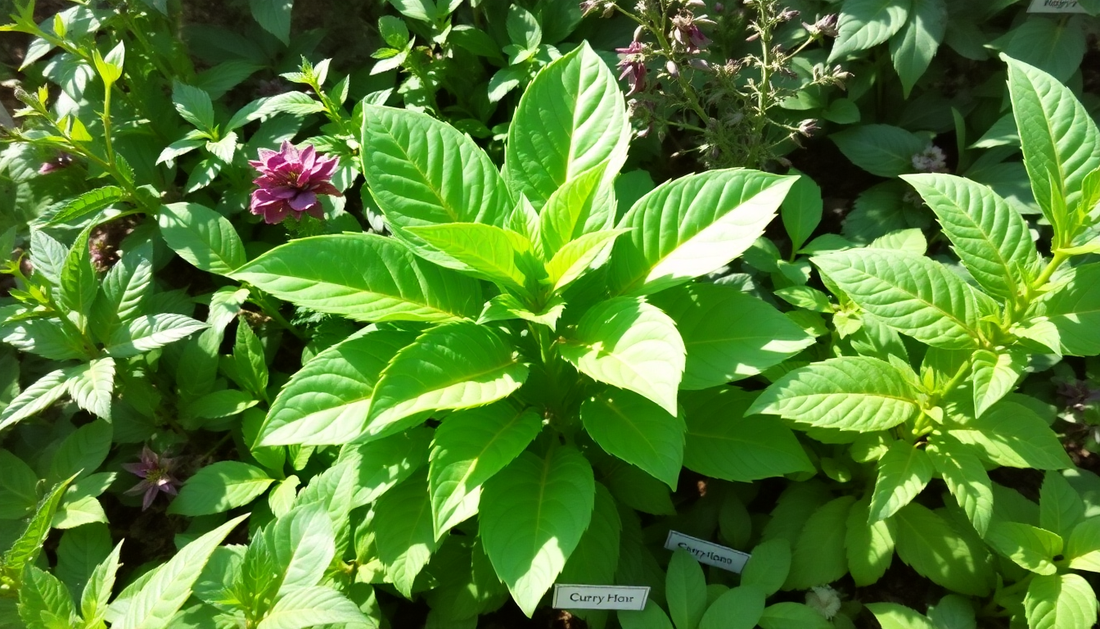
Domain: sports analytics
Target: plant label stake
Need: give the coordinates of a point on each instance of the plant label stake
(1055, 6)
(625, 597)
(709, 553)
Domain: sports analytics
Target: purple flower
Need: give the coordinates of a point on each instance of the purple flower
(632, 62)
(685, 32)
(61, 161)
(290, 181)
(156, 474)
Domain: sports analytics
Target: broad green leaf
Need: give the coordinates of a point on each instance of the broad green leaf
(44, 603)
(1053, 46)
(569, 210)
(652, 617)
(26, 547)
(312, 606)
(1058, 137)
(1013, 435)
(18, 487)
(97, 592)
(79, 283)
(219, 487)
(403, 531)
(1083, 549)
(694, 225)
(902, 474)
(92, 386)
(1030, 547)
(632, 428)
(150, 332)
(505, 307)
(274, 17)
(634, 488)
(82, 452)
(869, 545)
(425, 172)
(201, 236)
(792, 616)
(894, 616)
(994, 375)
(87, 203)
(686, 590)
(880, 149)
(1060, 601)
(723, 442)
(930, 545)
(848, 393)
(386, 282)
(533, 515)
(819, 557)
(596, 556)
(169, 585)
(917, 41)
(768, 566)
(728, 335)
(384, 463)
(570, 119)
(1074, 310)
(46, 337)
(194, 105)
(293, 552)
(966, 479)
(630, 344)
(989, 236)
(79, 505)
(739, 608)
(953, 612)
(35, 398)
(486, 249)
(577, 256)
(1060, 506)
(449, 367)
(908, 292)
(867, 23)
(326, 401)
(470, 447)
(801, 210)
(126, 288)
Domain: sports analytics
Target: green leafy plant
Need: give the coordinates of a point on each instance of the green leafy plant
(958, 415)
(535, 325)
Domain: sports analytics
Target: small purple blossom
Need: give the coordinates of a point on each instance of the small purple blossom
(685, 32)
(931, 160)
(61, 161)
(156, 474)
(290, 181)
(823, 27)
(632, 63)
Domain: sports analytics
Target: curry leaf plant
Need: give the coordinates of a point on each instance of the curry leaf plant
(535, 328)
(942, 403)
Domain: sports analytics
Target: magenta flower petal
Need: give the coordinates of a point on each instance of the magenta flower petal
(290, 181)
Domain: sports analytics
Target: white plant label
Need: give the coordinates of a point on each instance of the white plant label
(626, 597)
(1055, 6)
(709, 553)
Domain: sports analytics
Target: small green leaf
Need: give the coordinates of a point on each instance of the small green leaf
(632, 428)
(486, 249)
(930, 545)
(451, 366)
(44, 603)
(387, 283)
(26, 547)
(870, 545)
(201, 236)
(801, 210)
(894, 616)
(903, 473)
(169, 585)
(78, 277)
(403, 531)
(694, 225)
(1074, 311)
(1030, 547)
(1013, 435)
(768, 566)
(879, 149)
(867, 23)
(966, 479)
(83, 451)
(1083, 549)
(848, 393)
(908, 292)
(630, 344)
(470, 447)
(1060, 506)
(87, 203)
(219, 487)
(994, 375)
(97, 592)
(792, 616)
(150, 332)
(728, 335)
(685, 589)
(739, 608)
(35, 398)
(312, 606)
(274, 17)
(194, 105)
(819, 557)
(914, 46)
(533, 515)
(92, 386)
(1060, 601)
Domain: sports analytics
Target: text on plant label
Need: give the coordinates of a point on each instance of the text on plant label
(708, 552)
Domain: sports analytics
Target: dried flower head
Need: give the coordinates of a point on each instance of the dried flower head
(156, 474)
(823, 27)
(931, 160)
(290, 181)
(824, 600)
(685, 32)
(632, 63)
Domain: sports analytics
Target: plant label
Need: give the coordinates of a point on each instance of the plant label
(708, 552)
(627, 597)
(1055, 6)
